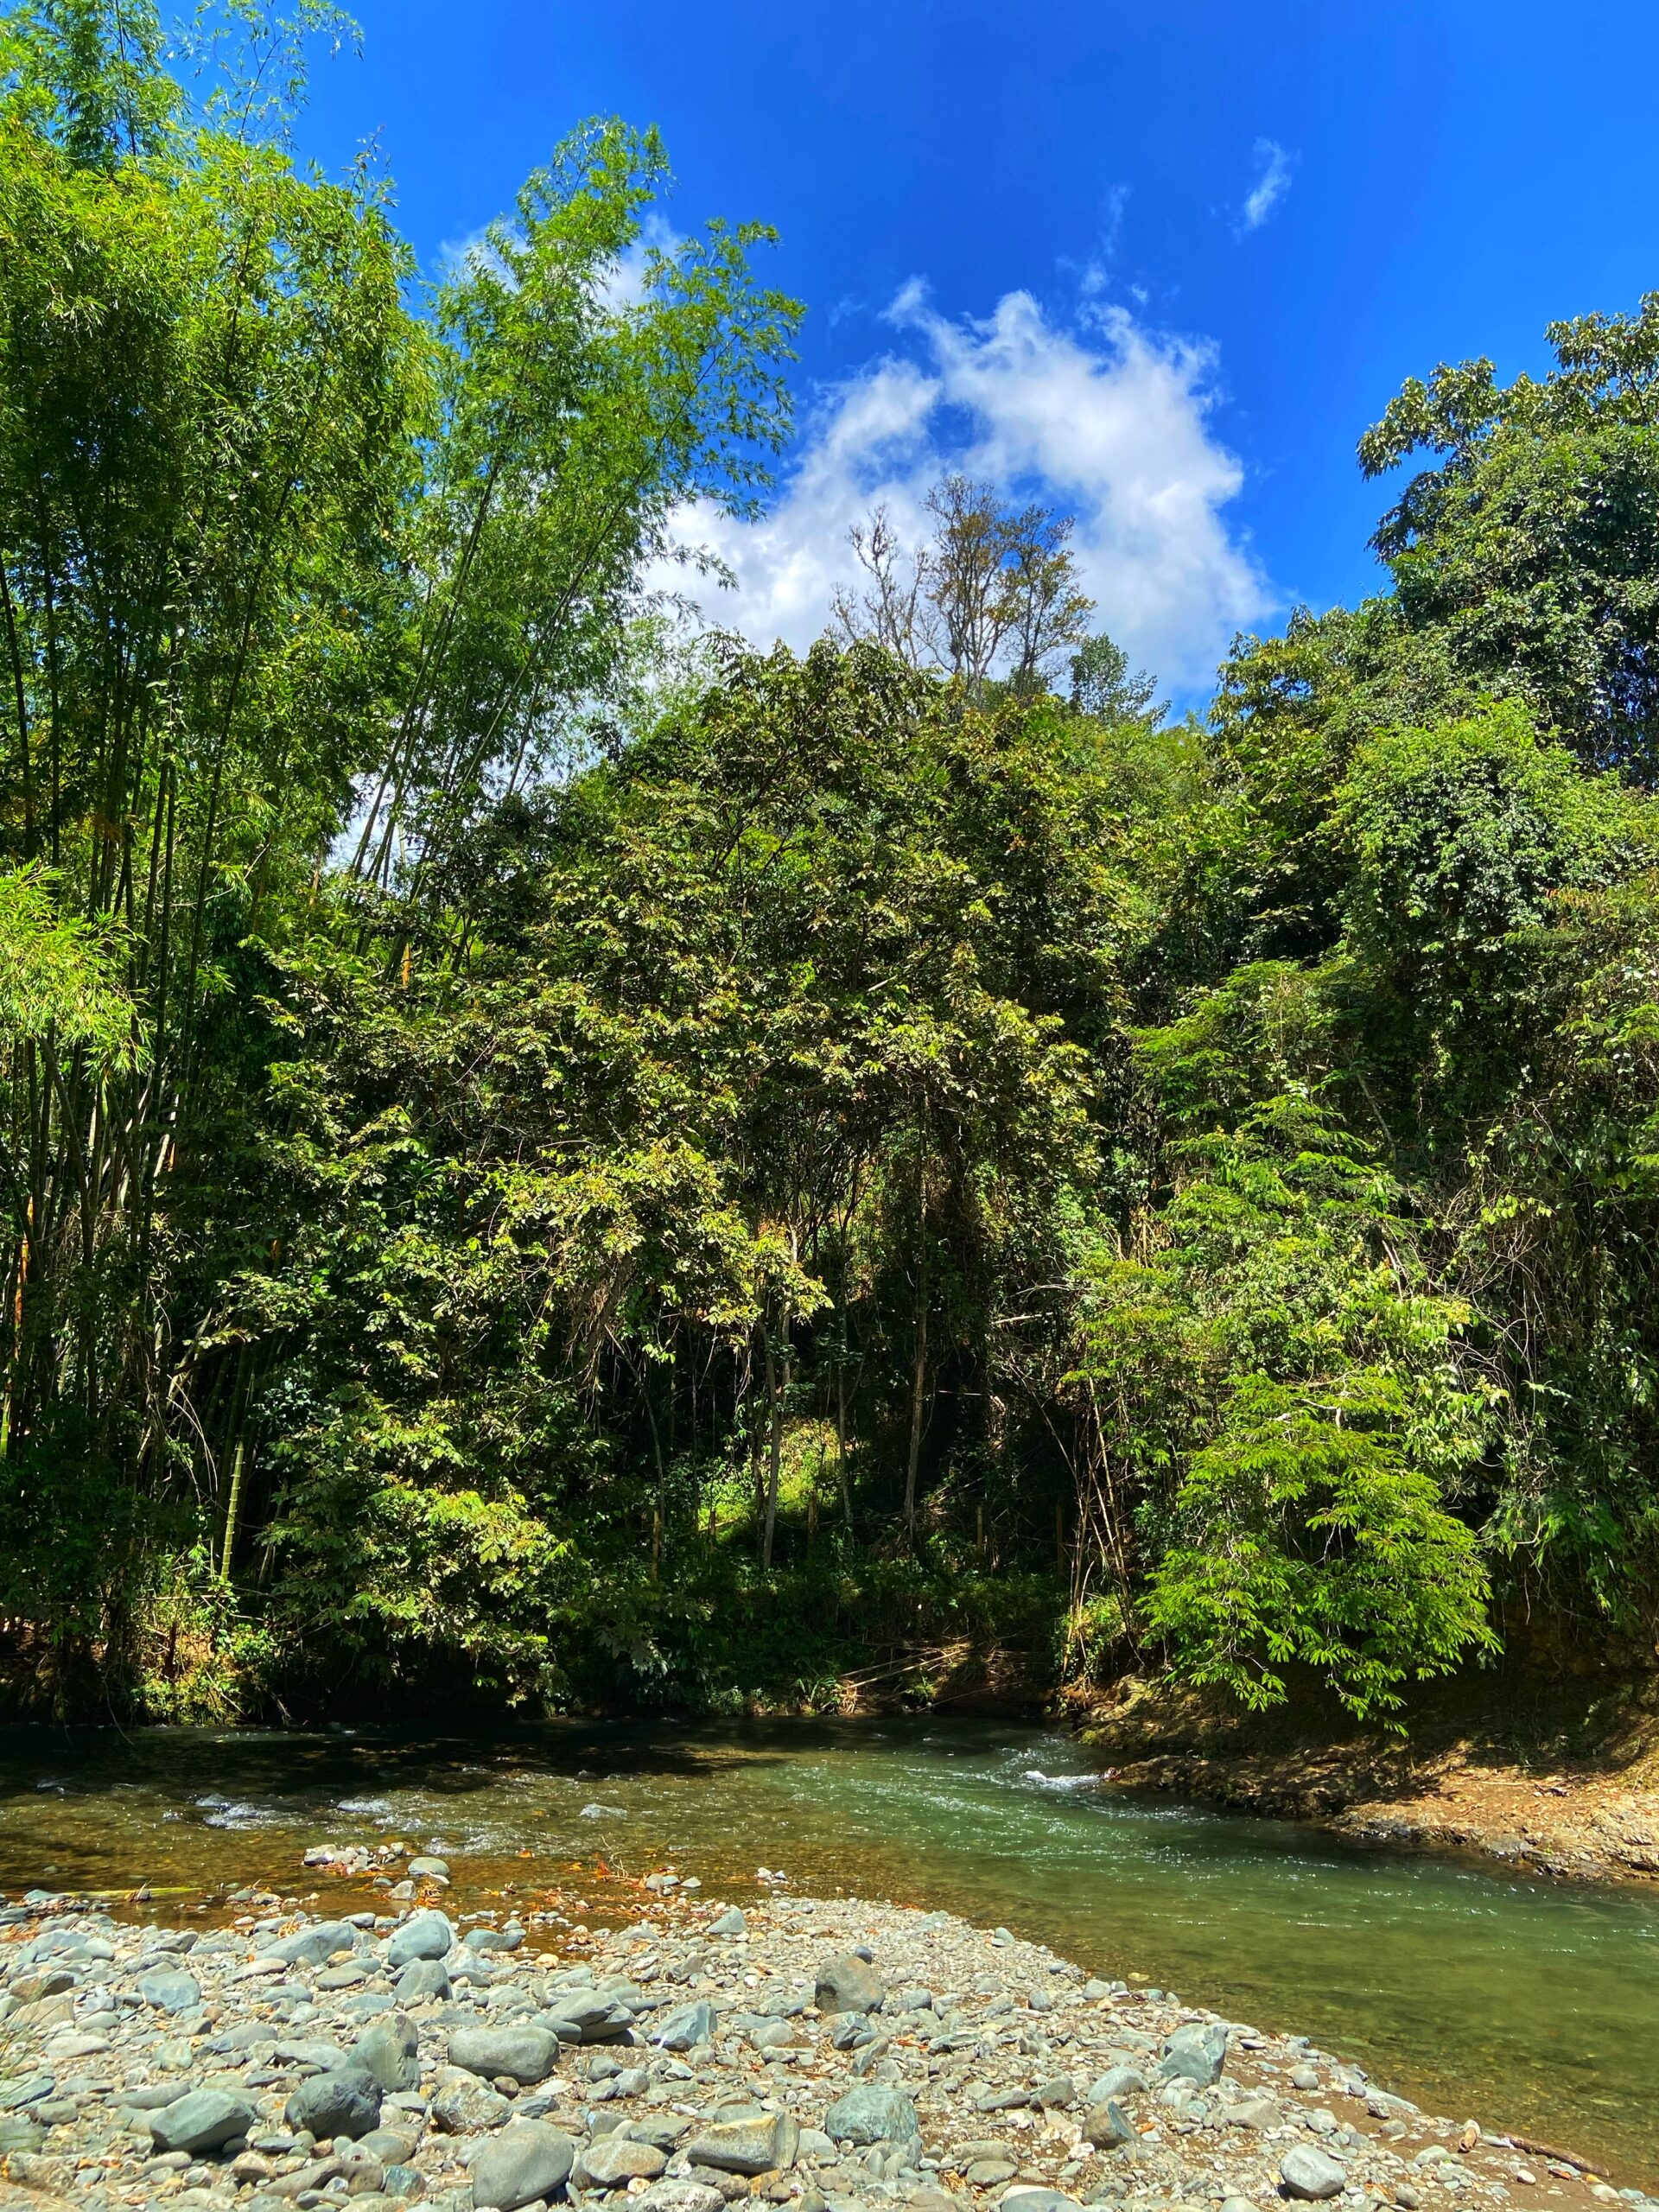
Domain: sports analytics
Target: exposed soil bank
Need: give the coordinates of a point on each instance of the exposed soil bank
(1555, 1774)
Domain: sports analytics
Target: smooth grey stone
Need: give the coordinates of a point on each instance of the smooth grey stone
(679, 2196)
(615, 2160)
(756, 2145)
(469, 2108)
(426, 1867)
(1041, 2200)
(389, 2145)
(343, 2101)
(1117, 2082)
(686, 2027)
(25, 2089)
(528, 2053)
(1054, 2094)
(422, 1936)
(729, 1922)
(390, 2051)
(201, 2119)
(313, 1947)
(420, 1978)
(1310, 2174)
(309, 2050)
(1196, 2053)
(525, 2162)
(403, 2183)
(595, 2017)
(1257, 2111)
(152, 2097)
(848, 1984)
(17, 2133)
(869, 2114)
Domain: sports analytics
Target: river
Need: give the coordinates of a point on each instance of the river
(1532, 2004)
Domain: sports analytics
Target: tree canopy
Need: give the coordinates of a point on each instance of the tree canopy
(547, 1158)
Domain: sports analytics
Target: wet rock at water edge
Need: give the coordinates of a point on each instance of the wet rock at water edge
(201, 2119)
(1311, 2175)
(869, 2114)
(343, 2101)
(528, 2160)
(849, 1984)
(756, 2145)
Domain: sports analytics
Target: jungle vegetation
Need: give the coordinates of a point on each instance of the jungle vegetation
(549, 1156)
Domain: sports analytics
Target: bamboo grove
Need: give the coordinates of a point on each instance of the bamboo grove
(549, 1157)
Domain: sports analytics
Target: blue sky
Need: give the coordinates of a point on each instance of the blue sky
(1164, 263)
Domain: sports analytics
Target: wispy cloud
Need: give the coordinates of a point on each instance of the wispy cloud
(1101, 416)
(1269, 188)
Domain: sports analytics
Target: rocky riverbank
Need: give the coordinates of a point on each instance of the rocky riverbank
(827, 2056)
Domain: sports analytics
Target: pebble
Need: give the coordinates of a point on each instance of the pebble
(836, 2056)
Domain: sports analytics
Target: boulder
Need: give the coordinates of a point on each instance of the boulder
(848, 1984)
(679, 2196)
(869, 2114)
(468, 2108)
(1107, 2126)
(763, 2145)
(343, 2101)
(525, 2162)
(390, 2051)
(420, 1979)
(201, 2119)
(527, 2054)
(615, 2160)
(1311, 2175)
(1117, 2082)
(592, 2016)
(686, 2027)
(170, 1990)
(422, 1936)
(313, 1947)
(1196, 2053)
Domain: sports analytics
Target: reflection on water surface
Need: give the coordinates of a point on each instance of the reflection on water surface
(1532, 2004)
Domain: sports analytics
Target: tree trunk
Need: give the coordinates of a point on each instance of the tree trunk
(918, 1396)
(775, 1392)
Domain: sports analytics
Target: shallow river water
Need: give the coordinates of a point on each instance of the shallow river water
(1533, 2006)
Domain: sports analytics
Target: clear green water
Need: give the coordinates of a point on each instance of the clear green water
(1533, 2006)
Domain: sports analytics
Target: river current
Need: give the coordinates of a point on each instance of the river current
(1532, 2004)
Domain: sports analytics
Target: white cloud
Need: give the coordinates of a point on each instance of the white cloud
(1269, 187)
(1109, 421)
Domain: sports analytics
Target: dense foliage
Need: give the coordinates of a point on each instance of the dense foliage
(547, 1157)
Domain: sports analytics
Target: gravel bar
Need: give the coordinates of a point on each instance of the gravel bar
(827, 2055)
